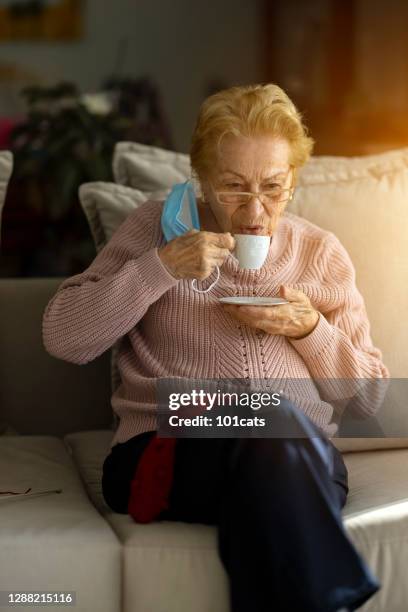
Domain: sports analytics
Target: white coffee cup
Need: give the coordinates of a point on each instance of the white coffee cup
(251, 250)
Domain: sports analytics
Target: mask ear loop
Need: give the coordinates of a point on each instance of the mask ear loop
(210, 287)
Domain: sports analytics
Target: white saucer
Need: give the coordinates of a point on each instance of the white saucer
(253, 301)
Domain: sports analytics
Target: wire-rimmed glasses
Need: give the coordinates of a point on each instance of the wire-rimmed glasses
(270, 197)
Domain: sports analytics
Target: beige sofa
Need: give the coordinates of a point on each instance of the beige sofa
(72, 542)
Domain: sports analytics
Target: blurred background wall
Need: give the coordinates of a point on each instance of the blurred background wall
(184, 46)
(151, 63)
(345, 63)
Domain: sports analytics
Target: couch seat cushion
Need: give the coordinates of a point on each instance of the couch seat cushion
(88, 450)
(169, 566)
(376, 517)
(183, 558)
(56, 542)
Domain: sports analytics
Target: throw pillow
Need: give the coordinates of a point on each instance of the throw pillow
(149, 168)
(106, 206)
(364, 201)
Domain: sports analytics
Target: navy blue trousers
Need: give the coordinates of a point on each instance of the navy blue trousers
(277, 506)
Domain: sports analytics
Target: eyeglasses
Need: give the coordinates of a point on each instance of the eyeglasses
(270, 197)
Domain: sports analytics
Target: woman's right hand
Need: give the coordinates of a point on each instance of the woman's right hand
(196, 253)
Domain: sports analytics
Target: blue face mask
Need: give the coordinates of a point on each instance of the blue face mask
(180, 212)
(179, 215)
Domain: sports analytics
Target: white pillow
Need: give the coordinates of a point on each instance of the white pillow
(6, 167)
(149, 168)
(106, 206)
(364, 202)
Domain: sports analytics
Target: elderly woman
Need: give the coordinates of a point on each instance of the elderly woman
(276, 501)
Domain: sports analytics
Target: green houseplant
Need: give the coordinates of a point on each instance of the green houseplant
(68, 139)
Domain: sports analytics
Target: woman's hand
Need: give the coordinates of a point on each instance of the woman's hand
(196, 253)
(294, 320)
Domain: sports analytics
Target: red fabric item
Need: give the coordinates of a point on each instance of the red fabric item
(152, 480)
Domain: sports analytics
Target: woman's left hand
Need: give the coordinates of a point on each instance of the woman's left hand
(295, 320)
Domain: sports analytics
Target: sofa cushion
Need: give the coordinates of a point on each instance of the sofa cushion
(364, 201)
(149, 168)
(106, 206)
(350, 445)
(89, 450)
(172, 555)
(171, 567)
(376, 518)
(183, 558)
(55, 541)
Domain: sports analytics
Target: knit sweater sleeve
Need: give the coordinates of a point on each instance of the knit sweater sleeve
(93, 309)
(339, 352)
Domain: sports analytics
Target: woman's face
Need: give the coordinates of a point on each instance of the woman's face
(247, 164)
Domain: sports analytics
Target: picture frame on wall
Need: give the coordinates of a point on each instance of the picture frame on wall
(41, 20)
